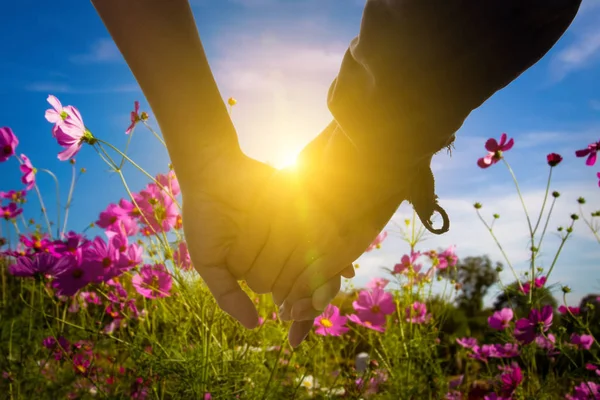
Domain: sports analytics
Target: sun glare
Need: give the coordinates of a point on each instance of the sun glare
(287, 160)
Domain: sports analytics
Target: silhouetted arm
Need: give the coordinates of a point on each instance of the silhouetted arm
(160, 42)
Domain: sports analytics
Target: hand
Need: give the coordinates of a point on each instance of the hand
(213, 210)
(322, 215)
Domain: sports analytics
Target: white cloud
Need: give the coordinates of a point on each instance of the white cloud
(584, 49)
(472, 238)
(103, 50)
(48, 87)
(280, 77)
(55, 87)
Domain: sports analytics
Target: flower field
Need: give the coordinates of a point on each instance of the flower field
(123, 315)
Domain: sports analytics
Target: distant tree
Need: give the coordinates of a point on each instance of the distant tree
(474, 276)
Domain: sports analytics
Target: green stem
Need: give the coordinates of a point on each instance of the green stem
(562, 243)
(544, 202)
(69, 199)
(57, 200)
(161, 140)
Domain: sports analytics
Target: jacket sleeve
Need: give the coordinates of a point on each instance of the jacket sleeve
(418, 67)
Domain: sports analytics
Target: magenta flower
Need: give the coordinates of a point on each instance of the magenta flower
(377, 242)
(38, 243)
(75, 275)
(103, 257)
(58, 114)
(591, 152)
(158, 209)
(500, 320)
(135, 117)
(153, 281)
(11, 211)
(380, 283)
(592, 367)
(554, 159)
(331, 323)
(373, 305)
(447, 258)
(495, 150)
(69, 130)
(417, 313)
(511, 380)
(537, 282)
(364, 321)
(582, 342)
(585, 391)
(482, 353)
(569, 310)
(507, 350)
(546, 342)
(181, 257)
(16, 196)
(453, 395)
(169, 182)
(407, 262)
(37, 265)
(28, 171)
(598, 175)
(527, 329)
(467, 343)
(8, 143)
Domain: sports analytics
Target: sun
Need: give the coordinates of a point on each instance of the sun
(287, 160)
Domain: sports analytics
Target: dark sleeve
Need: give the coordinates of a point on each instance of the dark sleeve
(419, 67)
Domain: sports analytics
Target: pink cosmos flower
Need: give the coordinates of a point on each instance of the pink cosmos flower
(582, 342)
(467, 343)
(169, 182)
(453, 395)
(585, 391)
(447, 258)
(569, 310)
(69, 130)
(104, 257)
(406, 262)
(11, 211)
(527, 329)
(135, 117)
(511, 380)
(28, 171)
(75, 275)
(58, 114)
(380, 283)
(37, 265)
(181, 257)
(507, 350)
(495, 150)
(500, 320)
(8, 143)
(373, 305)
(537, 282)
(417, 313)
(377, 242)
(16, 196)
(374, 325)
(598, 175)
(554, 159)
(591, 152)
(330, 322)
(546, 343)
(153, 281)
(158, 209)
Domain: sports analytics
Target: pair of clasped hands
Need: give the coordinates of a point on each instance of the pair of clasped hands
(408, 81)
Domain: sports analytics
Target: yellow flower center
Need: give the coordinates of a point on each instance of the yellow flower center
(375, 309)
(326, 323)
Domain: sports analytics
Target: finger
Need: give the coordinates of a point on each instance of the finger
(313, 277)
(229, 295)
(299, 331)
(312, 307)
(348, 272)
(273, 256)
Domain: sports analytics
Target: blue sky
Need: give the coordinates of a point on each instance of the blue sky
(278, 58)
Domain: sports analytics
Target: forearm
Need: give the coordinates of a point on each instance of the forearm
(160, 43)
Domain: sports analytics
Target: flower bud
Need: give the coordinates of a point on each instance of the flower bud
(566, 289)
(555, 194)
(496, 216)
(477, 206)
(574, 217)
(581, 200)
